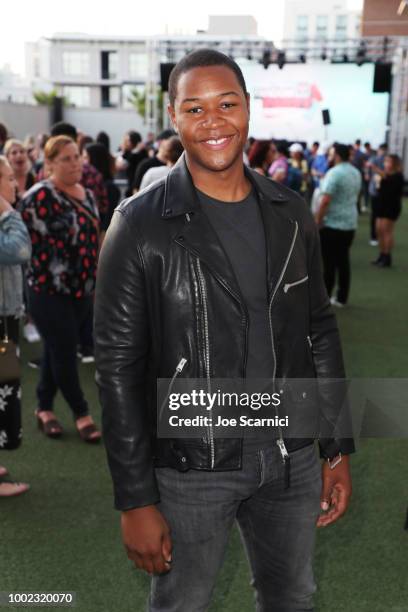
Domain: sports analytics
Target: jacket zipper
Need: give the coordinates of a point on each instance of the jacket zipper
(206, 355)
(177, 371)
(280, 442)
(290, 285)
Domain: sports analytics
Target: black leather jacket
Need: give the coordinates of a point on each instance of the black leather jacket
(161, 269)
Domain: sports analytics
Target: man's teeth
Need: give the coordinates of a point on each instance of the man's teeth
(215, 142)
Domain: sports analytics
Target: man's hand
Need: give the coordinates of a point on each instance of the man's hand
(146, 537)
(336, 491)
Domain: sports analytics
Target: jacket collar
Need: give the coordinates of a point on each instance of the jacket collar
(180, 195)
(199, 237)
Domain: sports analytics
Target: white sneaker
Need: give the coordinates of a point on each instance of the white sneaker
(373, 243)
(87, 359)
(334, 302)
(30, 333)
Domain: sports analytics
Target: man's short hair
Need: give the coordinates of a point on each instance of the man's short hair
(166, 134)
(201, 59)
(134, 137)
(174, 149)
(64, 129)
(342, 150)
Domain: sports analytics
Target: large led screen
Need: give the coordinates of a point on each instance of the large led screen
(288, 103)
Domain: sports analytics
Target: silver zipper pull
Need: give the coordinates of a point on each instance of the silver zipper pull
(181, 365)
(284, 453)
(286, 462)
(309, 341)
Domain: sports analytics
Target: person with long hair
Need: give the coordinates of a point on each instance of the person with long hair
(390, 181)
(99, 157)
(17, 156)
(15, 250)
(18, 159)
(261, 155)
(63, 222)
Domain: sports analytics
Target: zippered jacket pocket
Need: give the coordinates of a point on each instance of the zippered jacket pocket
(178, 370)
(288, 286)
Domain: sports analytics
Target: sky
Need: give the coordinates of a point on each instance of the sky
(28, 21)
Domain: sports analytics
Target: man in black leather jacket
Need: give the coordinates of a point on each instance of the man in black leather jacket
(171, 300)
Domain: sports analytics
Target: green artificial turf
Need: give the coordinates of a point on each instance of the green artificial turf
(64, 535)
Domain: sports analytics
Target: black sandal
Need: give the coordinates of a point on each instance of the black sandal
(85, 433)
(51, 428)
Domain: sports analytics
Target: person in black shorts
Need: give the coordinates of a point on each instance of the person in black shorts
(388, 206)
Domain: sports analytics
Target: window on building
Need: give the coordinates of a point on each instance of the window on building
(138, 66)
(110, 96)
(75, 63)
(322, 23)
(302, 27)
(341, 26)
(77, 95)
(109, 64)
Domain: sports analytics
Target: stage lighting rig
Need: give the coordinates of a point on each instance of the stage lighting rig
(281, 59)
(266, 58)
(361, 55)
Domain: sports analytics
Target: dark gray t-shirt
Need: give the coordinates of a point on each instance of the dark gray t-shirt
(240, 230)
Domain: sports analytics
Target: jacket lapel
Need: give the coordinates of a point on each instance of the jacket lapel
(199, 237)
(279, 232)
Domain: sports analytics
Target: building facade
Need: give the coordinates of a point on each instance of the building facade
(101, 71)
(306, 23)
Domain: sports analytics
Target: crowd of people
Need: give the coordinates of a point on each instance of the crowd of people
(339, 182)
(57, 196)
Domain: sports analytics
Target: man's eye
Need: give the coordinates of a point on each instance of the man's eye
(194, 110)
(227, 104)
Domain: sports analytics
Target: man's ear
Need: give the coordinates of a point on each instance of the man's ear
(248, 100)
(172, 116)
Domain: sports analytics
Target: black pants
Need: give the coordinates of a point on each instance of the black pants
(373, 217)
(336, 260)
(58, 319)
(10, 393)
(86, 341)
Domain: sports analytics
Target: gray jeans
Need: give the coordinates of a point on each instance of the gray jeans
(277, 527)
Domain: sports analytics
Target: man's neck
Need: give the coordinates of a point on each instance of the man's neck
(230, 185)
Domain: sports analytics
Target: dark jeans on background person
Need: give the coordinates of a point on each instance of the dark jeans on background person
(336, 259)
(58, 319)
(277, 526)
(10, 394)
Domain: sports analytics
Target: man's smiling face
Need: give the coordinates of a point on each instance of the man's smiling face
(211, 114)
